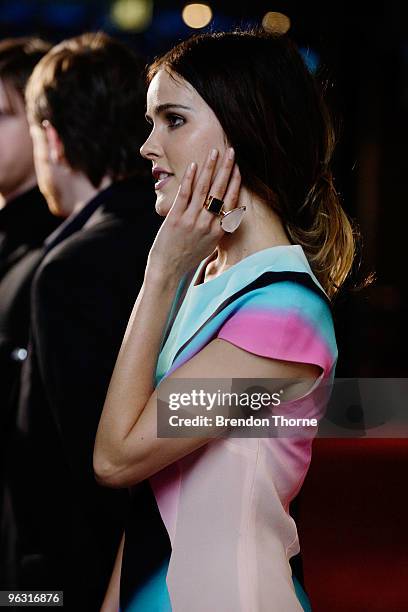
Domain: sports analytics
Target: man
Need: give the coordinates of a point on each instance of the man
(25, 222)
(85, 105)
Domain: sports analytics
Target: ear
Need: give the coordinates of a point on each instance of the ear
(55, 146)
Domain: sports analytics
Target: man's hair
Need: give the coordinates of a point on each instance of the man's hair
(18, 57)
(90, 88)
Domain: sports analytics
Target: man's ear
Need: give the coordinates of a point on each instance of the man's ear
(55, 146)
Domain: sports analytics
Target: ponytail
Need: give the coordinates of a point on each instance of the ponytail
(329, 242)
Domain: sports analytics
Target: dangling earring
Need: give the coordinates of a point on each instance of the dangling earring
(231, 220)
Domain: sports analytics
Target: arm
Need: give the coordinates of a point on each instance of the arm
(127, 449)
(111, 601)
(142, 454)
(122, 428)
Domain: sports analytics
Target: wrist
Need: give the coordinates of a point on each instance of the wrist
(161, 279)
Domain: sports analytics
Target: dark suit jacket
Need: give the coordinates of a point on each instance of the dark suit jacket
(24, 224)
(82, 296)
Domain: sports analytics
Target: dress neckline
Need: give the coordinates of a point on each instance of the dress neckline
(202, 266)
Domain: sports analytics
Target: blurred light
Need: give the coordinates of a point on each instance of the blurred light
(132, 15)
(169, 24)
(276, 23)
(19, 354)
(197, 15)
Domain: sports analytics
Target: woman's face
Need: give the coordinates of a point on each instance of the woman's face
(184, 130)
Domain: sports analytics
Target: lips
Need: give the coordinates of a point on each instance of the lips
(162, 176)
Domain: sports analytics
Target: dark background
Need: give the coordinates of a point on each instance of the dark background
(361, 51)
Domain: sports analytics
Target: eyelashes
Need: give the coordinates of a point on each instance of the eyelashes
(173, 121)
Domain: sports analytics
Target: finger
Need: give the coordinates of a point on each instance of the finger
(200, 192)
(219, 185)
(231, 197)
(183, 196)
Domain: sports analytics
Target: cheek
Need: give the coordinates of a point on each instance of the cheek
(22, 133)
(204, 141)
(38, 164)
(43, 172)
(185, 145)
(15, 140)
(40, 153)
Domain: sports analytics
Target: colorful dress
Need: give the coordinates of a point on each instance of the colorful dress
(225, 506)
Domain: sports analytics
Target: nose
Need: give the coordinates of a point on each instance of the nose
(151, 148)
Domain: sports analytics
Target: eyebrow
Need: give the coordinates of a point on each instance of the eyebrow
(163, 107)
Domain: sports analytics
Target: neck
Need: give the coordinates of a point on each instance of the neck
(260, 229)
(78, 192)
(28, 184)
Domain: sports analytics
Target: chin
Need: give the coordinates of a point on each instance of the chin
(162, 208)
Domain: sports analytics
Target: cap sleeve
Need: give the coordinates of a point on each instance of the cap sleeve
(287, 321)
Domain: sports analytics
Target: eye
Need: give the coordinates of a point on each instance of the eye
(174, 121)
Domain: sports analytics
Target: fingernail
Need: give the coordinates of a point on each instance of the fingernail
(191, 169)
(214, 154)
(231, 153)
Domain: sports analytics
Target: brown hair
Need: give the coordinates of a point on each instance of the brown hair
(90, 89)
(18, 57)
(274, 115)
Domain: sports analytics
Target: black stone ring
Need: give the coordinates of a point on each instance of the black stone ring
(214, 205)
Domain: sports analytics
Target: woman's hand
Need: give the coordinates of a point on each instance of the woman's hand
(190, 232)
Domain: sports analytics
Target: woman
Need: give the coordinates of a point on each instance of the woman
(236, 118)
